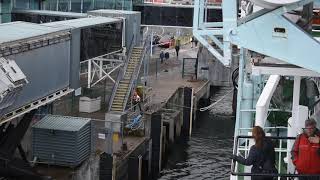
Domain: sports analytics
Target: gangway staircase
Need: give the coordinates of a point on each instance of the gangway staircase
(119, 101)
(122, 89)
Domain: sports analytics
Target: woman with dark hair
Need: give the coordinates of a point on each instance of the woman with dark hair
(261, 156)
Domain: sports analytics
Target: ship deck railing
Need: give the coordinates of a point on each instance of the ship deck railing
(243, 146)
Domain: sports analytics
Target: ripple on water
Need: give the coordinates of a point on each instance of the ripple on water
(207, 154)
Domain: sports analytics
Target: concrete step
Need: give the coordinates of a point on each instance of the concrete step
(118, 102)
(127, 76)
(132, 64)
(130, 68)
(117, 106)
(116, 110)
(134, 61)
(122, 90)
(121, 94)
(124, 82)
(129, 73)
(123, 86)
(118, 97)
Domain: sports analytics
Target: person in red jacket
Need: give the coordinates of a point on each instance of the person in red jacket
(306, 151)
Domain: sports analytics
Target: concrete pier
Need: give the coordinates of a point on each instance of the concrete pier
(120, 153)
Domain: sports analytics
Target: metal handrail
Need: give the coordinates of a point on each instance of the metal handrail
(233, 165)
(146, 47)
(121, 74)
(129, 54)
(114, 89)
(130, 46)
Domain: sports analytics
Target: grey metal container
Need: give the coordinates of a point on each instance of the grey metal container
(62, 140)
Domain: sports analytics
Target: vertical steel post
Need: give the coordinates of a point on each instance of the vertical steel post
(239, 98)
(294, 120)
(196, 15)
(240, 88)
(81, 6)
(201, 14)
(0, 12)
(183, 67)
(230, 16)
(100, 68)
(156, 68)
(89, 73)
(151, 43)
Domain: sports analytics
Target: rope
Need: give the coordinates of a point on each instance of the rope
(215, 103)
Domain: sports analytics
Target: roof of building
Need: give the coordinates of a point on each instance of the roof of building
(63, 123)
(83, 22)
(112, 11)
(166, 5)
(18, 30)
(50, 13)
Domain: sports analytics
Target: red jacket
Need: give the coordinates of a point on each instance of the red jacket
(306, 155)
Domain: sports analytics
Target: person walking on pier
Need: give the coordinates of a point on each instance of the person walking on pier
(305, 152)
(167, 56)
(161, 57)
(195, 42)
(192, 41)
(261, 156)
(177, 47)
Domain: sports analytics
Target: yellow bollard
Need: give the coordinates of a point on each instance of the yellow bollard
(115, 137)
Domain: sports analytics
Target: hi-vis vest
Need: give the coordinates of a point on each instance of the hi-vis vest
(306, 155)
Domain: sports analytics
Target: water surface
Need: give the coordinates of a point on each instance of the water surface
(205, 155)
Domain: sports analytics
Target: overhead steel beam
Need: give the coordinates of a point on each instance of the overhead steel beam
(283, 71)
(274, 35)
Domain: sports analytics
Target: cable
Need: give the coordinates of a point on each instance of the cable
(234, 77)
(213, 104)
